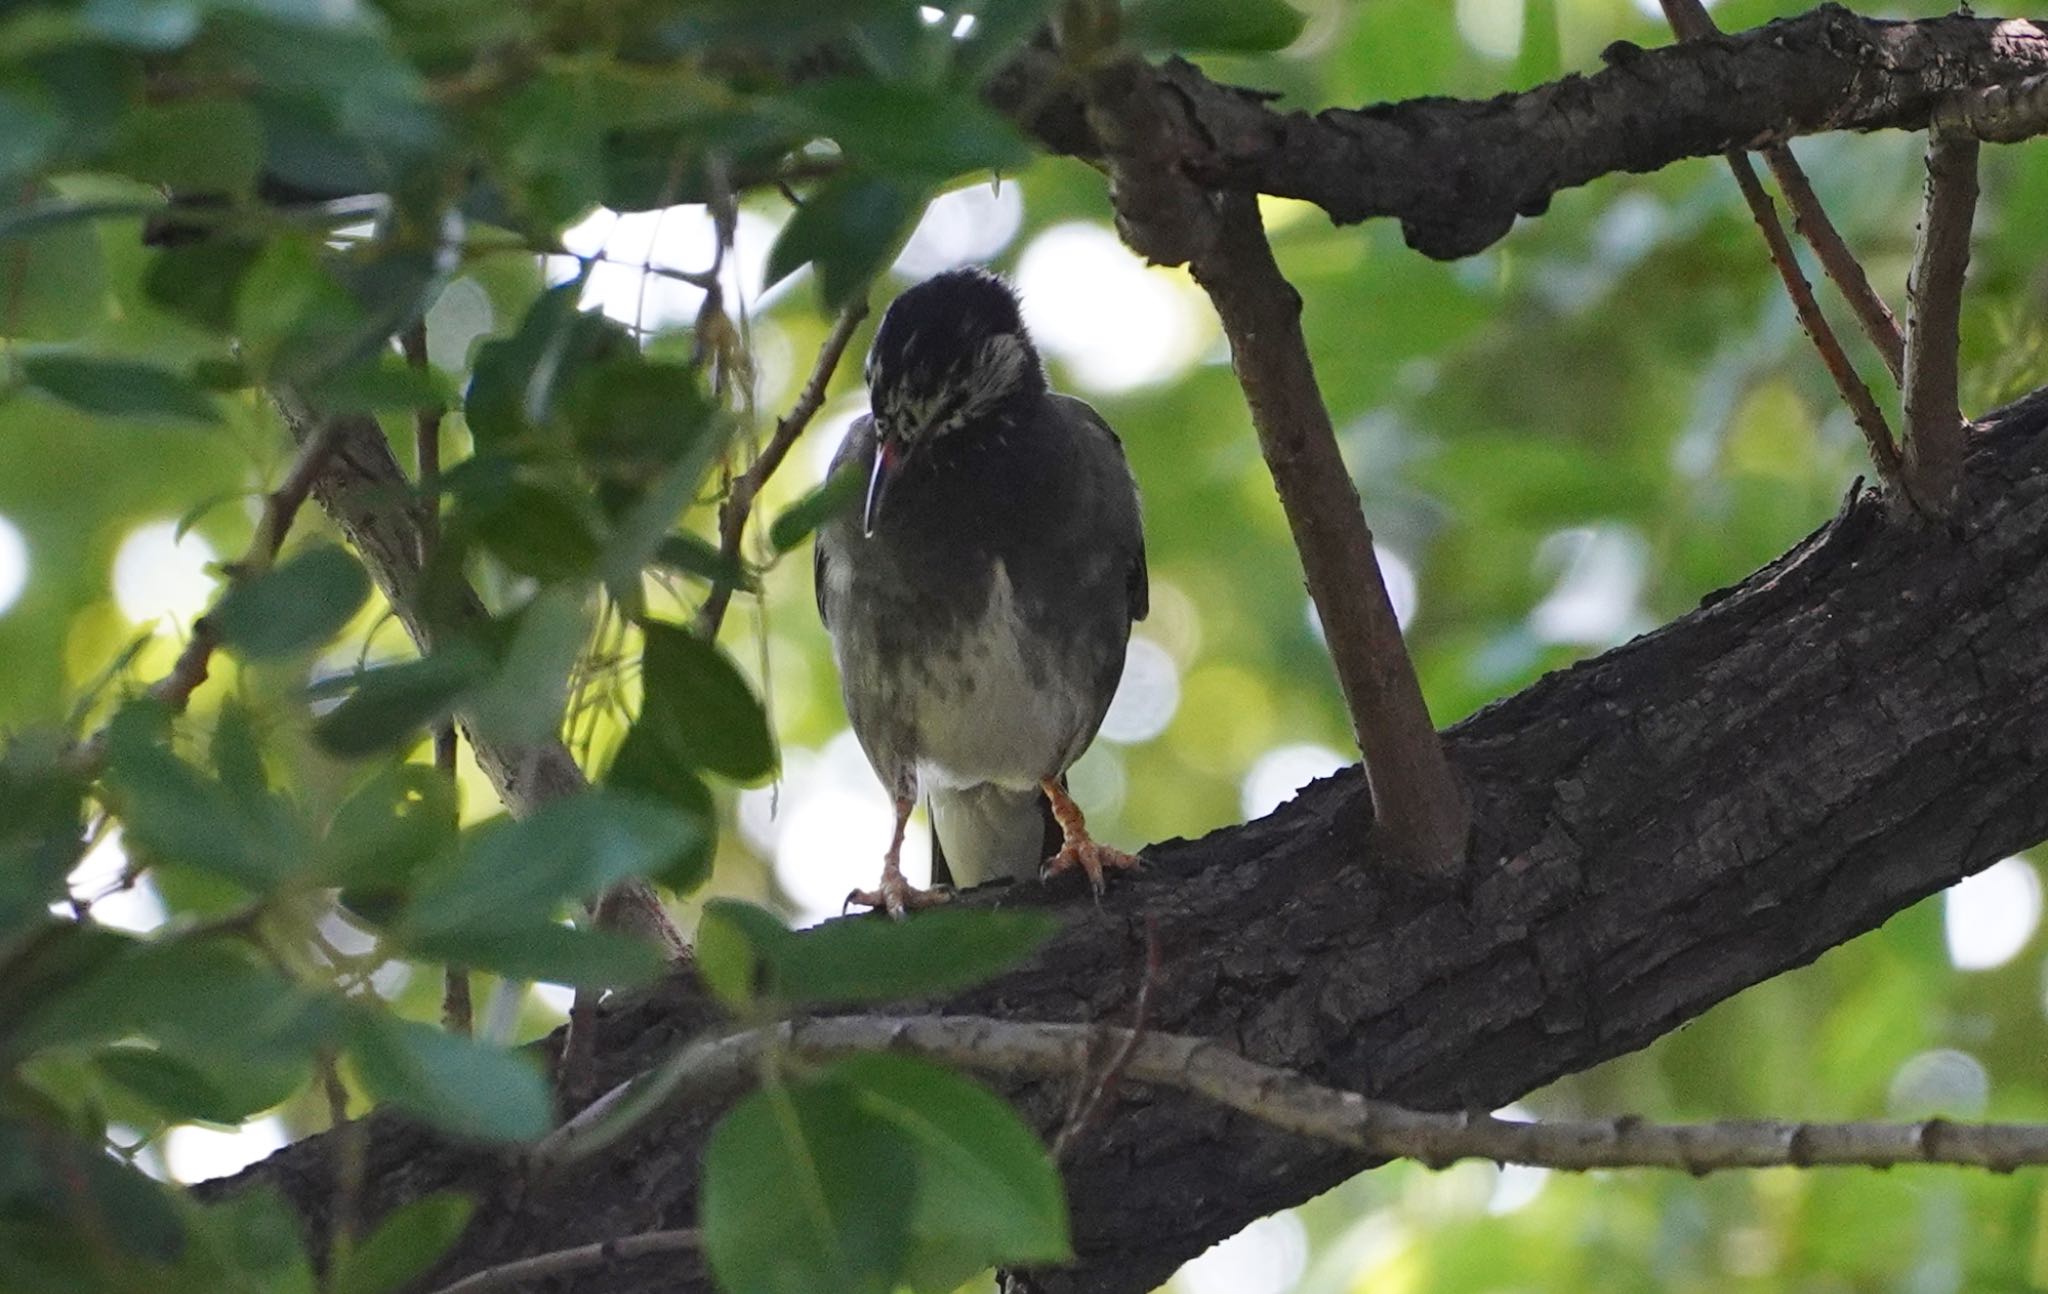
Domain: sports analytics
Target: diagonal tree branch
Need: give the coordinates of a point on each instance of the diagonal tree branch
(1941, 258)
(1690, 20)
(1656, 829)
(1417, 805)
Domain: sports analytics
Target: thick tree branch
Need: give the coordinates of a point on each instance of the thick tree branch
(1941, 258)
(1691, 21)
(604, 1253)
(1856, 726)
(739, 502)
(1456, 173)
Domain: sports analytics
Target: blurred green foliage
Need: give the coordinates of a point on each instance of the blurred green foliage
(1567, 439)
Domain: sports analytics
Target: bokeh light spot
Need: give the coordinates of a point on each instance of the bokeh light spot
(1988, 918)
(675, 238)
(1595, 602)
(13, 564)
(1267, 1257)
(1114, 321)
(1942, 1083)
(97, 882)
(1280, 772)
(159, 576)
(966, 225)
(1146, 696)
(196, 1154)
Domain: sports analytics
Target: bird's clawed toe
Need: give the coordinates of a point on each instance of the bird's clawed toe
(1093, 858)
(898, 897)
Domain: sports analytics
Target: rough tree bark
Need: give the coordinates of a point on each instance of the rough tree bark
(1856, 726)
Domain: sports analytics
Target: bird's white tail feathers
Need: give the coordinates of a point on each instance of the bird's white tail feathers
(988, 831)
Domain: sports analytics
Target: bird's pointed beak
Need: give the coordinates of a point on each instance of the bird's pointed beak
(878, 485)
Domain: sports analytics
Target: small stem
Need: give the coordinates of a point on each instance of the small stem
(562, 1262)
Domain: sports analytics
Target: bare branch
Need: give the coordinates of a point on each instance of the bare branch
(1457, 173)
(1415, 799)
(1689, 18)
(1870, 420)
(1941, 258)
(1286, 1100)
(739, 502)
(582, 1258)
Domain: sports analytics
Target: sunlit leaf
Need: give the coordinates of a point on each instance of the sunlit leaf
(1238, 26)
(407, 1242)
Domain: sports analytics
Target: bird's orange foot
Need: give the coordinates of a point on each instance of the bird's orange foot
(898, 897)
(1092, 857)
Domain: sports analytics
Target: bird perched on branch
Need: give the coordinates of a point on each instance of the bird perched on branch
(981, 598)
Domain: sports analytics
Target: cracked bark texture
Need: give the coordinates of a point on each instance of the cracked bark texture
(1457, 172)
(1852, 728)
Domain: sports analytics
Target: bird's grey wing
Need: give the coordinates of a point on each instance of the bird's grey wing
(859, 443)
(1125, 516)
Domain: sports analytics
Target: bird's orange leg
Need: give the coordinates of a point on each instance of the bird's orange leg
(1077, 847)
(894, 893)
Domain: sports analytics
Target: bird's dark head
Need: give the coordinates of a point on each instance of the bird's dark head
(950, 353)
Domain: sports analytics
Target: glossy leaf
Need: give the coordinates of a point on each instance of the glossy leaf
(456, 1083)
(849, 227)
(987, 1192)
(898, 128)
(944, 950)
(176, 1090)
(117, 388)
(546, 953)
(385, 832)
(698, 708)
(292, 607)
(798, 1198)
(392, 703)
(512, 875)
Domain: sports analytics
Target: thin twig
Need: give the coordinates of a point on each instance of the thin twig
(721, 1067)
(739, 501)
(1690, 20)
(1870, 420)
(561, 1262)
(1941, 258)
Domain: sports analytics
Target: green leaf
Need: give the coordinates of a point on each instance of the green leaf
(511, 875)
(254, 1242)
(849, 227)
(237, 758)
(875, 961)
(541, 530)
(410, 1239)
(522, 704)
(513, 380)
(211, 146)
(293, 607)
(385, 833)
(698, 708)
(392, 703)
(1000, 28)
(641, 766)
(737, 947)
(797, 1197)
(177, 814)
(697, 557)
(117, 388)
(1221, 26)
(987, 1192)
(546, 952)
(900, 128)
(177, 1091)
(839, 492)
(456, 1083)
(200, 281)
